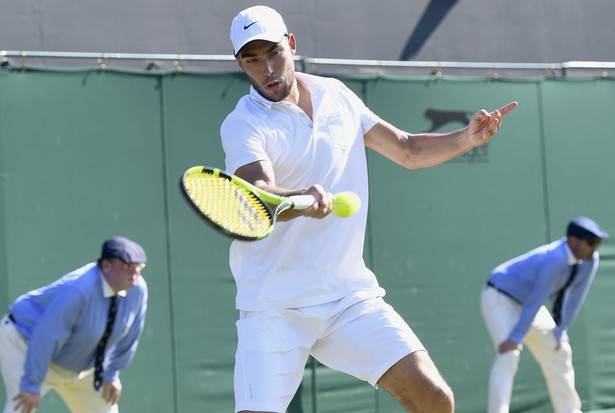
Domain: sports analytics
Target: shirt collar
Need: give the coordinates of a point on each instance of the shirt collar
(259, 99)
(107, 290)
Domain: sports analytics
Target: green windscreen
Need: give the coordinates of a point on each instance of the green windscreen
(86, 155)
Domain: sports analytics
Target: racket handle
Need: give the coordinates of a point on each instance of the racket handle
(302, 201)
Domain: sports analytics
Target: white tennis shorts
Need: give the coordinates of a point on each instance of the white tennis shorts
(360, 337)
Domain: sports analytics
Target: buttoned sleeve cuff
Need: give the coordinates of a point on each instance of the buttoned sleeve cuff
(31, 387)
(111, 376)
(518, 334)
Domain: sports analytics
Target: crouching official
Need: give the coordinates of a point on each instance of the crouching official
(513, 306)
(76, 334)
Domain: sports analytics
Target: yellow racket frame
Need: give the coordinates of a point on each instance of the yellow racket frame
(229, 203)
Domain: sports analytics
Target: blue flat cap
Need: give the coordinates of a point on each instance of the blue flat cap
(124, 249)
(583, 227)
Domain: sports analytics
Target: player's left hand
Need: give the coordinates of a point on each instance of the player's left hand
(484, 124)
(111, 391)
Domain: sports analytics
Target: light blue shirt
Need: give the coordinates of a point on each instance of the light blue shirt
(539, 274)
(64, 321)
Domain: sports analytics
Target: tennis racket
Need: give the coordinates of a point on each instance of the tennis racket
(234, 206)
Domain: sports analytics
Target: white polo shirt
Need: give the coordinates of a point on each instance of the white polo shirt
(305, 261)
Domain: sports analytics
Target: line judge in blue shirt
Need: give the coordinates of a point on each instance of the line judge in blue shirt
(512, 305)
(52, 337)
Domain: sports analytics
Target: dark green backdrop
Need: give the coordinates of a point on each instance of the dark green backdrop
(85, 155)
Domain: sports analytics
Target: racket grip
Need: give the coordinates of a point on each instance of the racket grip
(302, 201)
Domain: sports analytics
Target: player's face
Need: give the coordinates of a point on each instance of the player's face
(270, 67)
(122, 275)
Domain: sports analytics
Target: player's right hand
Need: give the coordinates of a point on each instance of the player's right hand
(324, 202)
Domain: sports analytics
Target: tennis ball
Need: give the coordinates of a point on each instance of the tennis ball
(346, 204)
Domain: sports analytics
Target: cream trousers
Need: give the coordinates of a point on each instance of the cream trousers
(76, 389)
(501, 314)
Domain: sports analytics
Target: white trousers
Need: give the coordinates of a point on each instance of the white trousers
(501, 314)
(76, 389)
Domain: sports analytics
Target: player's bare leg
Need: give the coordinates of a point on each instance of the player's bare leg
(417, 384)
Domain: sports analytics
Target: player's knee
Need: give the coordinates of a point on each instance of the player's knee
(440, 400)
(417, 384)
(446, 400)
(435, 396)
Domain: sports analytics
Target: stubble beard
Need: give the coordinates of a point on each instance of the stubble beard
(286, 82)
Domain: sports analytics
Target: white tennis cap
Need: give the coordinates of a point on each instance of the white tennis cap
(257, 23)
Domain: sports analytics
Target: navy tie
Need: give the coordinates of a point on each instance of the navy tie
(557, 305)
(100, 350)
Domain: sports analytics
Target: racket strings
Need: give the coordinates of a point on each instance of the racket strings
(229, 205)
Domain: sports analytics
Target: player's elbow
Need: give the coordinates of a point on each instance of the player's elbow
(409, 160)
(410, 153)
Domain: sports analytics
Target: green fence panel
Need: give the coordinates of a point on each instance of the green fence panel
(81, 156)
(203, 288)
(580, 169)
(85, 155)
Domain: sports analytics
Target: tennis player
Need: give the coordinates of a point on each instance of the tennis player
(305, 289)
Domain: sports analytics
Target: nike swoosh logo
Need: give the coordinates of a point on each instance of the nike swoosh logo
(246, 27)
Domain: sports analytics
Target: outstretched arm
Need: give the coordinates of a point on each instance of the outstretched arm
(416, 151)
